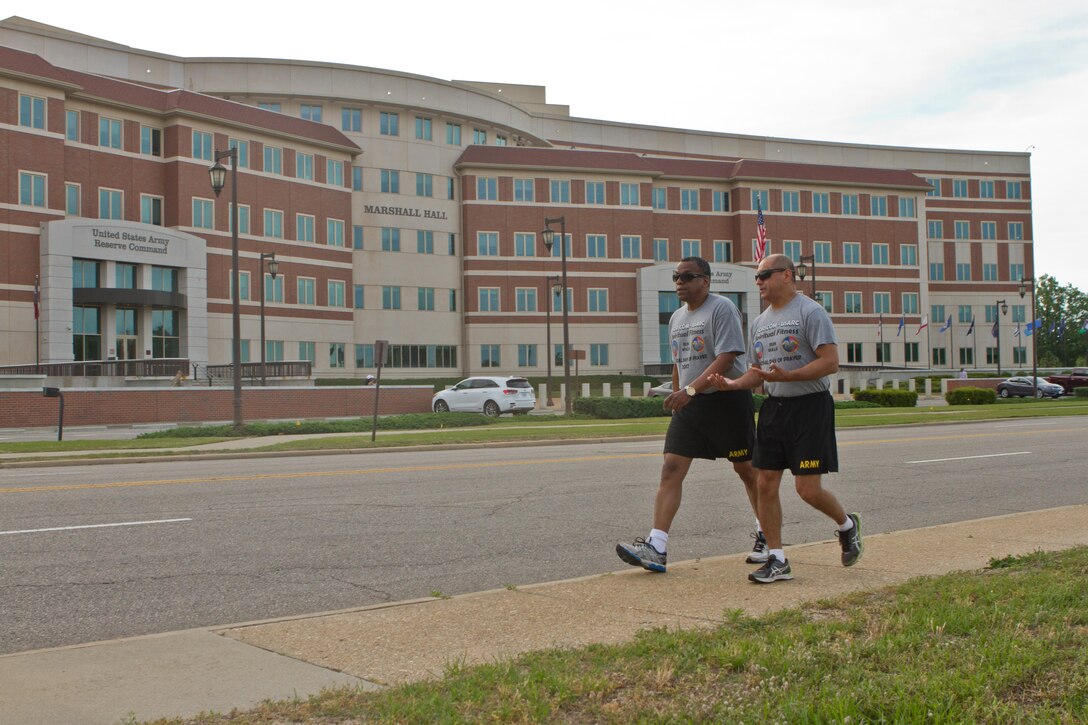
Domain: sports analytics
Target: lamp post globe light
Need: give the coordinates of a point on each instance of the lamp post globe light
(1000, 308)
(548, 235)
(273, 268)
(218, 175)
(1025, 285)
(802, 271)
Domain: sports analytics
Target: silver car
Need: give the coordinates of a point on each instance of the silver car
(491, 396)
(661, 391)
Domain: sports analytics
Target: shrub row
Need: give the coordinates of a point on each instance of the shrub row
(888, 398)
(1080, 392)
(970, 396)
(611, 408)
(409, 421)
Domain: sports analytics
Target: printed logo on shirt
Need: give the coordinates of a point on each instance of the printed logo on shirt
(697, 344)
(675, 350)
(758, 348)
(790, 343)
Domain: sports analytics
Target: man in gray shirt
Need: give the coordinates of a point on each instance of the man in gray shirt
(793, 349)
(706, 337)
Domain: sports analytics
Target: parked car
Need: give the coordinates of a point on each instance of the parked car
(488, 395)
(1078, 378)
(661, 391)
(1021, 387)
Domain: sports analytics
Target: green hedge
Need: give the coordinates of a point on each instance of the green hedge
(970, 396)
(620, 407)
(854, 404)
(1080, 392)
(408, 421)
(888, 398)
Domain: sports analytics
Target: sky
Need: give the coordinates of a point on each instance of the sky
(993, 75)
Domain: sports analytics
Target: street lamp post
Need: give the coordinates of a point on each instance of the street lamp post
(218, 176)
(552, 288)
(1024, 285)
(999, 307)
(273, 268)
(548, 235)
(802, 270)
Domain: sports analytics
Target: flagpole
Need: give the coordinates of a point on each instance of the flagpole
(974, 343)
(880, 329)
(37, 330)
(951, 332)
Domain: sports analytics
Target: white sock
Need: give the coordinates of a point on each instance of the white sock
(848, 525)
(779, 554)
(759, 529)
(659, 540)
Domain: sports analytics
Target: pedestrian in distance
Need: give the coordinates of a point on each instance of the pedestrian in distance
(793, 352)
(706, 338)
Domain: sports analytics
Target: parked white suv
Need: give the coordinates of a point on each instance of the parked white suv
(488, 395)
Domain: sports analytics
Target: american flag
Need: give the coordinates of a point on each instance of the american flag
(761, 233)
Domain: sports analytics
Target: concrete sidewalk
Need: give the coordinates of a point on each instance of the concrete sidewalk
(220, 668)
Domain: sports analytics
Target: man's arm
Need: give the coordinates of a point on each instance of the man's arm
(826, 363)
(678, 399)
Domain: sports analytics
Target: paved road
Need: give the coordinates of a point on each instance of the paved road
(240, 540)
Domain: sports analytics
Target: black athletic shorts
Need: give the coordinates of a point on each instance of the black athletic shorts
(714, 425)
(798, 434)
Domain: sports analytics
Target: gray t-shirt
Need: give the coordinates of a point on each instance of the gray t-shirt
(789, 337)
(700, 335)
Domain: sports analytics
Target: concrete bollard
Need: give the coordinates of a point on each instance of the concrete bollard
(912, 385)
(585, 390)
(606, 390)
(646, 390)
(929, 387)
(562, 401)
(627, 390)
(542, 396)
(895, 384)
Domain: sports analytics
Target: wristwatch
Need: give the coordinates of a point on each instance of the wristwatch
(690, 390)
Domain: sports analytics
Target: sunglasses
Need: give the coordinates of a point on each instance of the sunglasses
(766, 273)
(686, 277)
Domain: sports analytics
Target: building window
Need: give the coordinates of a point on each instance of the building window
(311, 112)
(689, 199)
(1017, 312)
(792, 249)
(986, 189)
(850, 204)
(390, 298)
(524, 190)
(489, 356)
(854, 352)
(390, 181)
(791, 201)
(526, 356)
(164, 279)
(424, 241)
(910, 351)
(453, 300)
(273, 350)
(356, 178)
(165, 334)
(356, 236)
(560, 192)
(273, 288)
(598, 354)
(629, 194)
(940, 357)
(852, 300)
(304, 167)
(1013, 190)
(273, 160)
(596, 246)
(453, 134)
(487, 244)
(906, 207)
(426, 299)
(424, 185)
(202, 145)
(500, 140)
(822, 252)
(150, 141)
(595, 192)
(910, 303)
(851, 253)
(558, 252)
(110, 204)
(524, 244)
(963, 230)
(203, 213)
(878, 206)
(525, 299)
(389, 124)
(243, 151)
(631, 247)
(31, 111)
(488, 299)
(936, 229)
(125, 276)
(1016, 271)
(479, 136)
(71, 126)
(598, 300)
(273, 106)
(659, 198)
(880, 254)
(304, 227)
(824, 298)
(243, 285)
(273, 223)
(761, 199)
(336, 355)
(690, 248)
(963, 271)
(334, 232)
(821, 203)
(423, 128)
(109, 134)
(451, 188)
(358, 296)
(307, 351)
(964, 313)
(31, 189)
(934, 187)
(334, 172)
(557, 301)
(390, 239)
(989, 272)
(989, 230)
(959, 188)
(305, 288)
(351, 119)
(72, 205)
(723, 250)
(908, 255)
(661, 250)
(882, 302)
(1016, 231)
(883, 352)
(336, 293)
(85, 274)
(243, 218)
(967, 356)
(936, 313)
(487, 188)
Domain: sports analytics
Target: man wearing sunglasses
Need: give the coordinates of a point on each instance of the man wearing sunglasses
(793, 351)
(706, 337)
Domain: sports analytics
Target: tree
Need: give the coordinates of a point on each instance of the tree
(1063, 309)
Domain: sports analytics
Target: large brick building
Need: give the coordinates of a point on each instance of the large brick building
(408, 208)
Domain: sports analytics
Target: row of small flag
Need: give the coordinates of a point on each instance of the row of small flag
(1057, 326)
